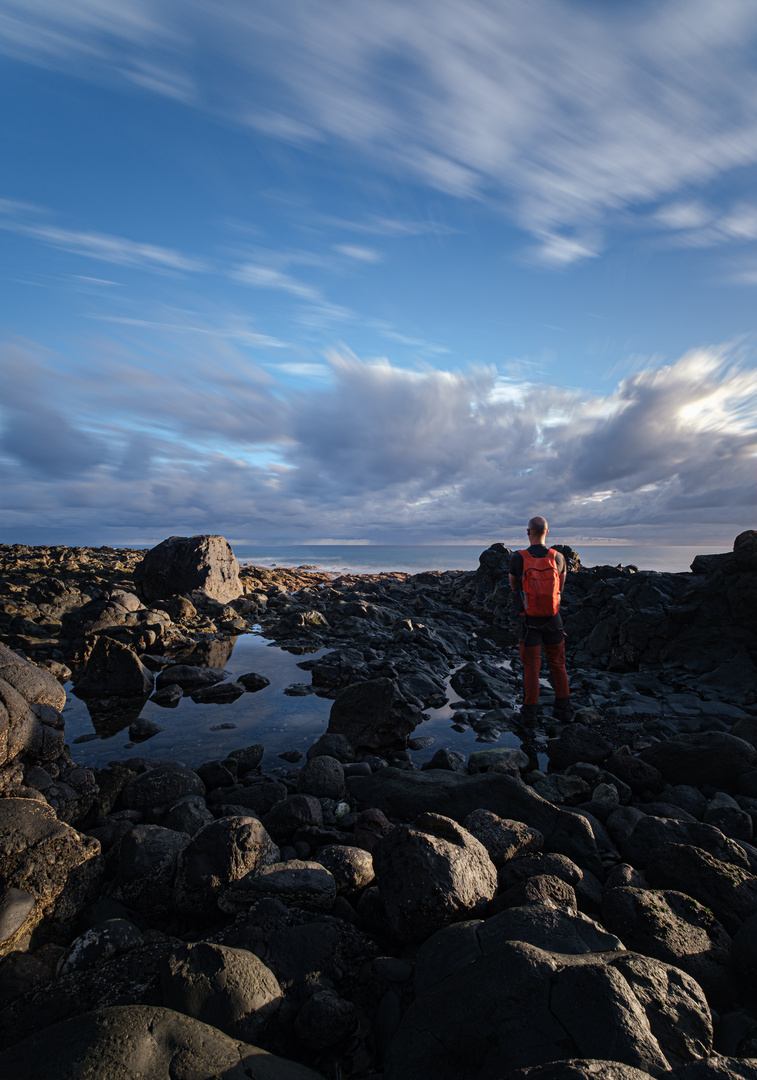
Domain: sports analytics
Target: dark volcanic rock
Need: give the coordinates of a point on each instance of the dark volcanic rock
(114, 670)
(159, 786)
(556, 929)
(673, 927)
(132, 1041)
(431, 874)
(146, 861)
(729, 891)
(705, 757)
(216, 856)
(40, 855)
(503, 839)
(229, 988)
(529, 1007)
(34, 684)
(182, 564)
(366, 714)
(405, 795)
(299, 883)
(189, 676)
(578, 743)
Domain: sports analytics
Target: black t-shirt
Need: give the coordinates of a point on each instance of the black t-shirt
(539, 551)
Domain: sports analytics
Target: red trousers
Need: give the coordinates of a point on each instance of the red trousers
(530, 656)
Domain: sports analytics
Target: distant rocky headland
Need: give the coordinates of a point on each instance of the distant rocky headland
(351, 915)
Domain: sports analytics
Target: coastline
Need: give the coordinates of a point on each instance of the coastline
(603, 850)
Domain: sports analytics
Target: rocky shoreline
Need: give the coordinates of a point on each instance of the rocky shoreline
(350, 915)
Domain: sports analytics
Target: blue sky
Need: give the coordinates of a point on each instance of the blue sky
(402, 272)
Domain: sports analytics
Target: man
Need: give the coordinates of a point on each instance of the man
(537, 577)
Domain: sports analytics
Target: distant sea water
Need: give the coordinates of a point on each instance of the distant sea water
(374, 558)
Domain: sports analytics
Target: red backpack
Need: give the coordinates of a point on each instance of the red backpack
(540, 584)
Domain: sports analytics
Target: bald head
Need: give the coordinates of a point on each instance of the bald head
(537, 527)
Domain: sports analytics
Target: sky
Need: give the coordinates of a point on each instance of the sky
(398, 272)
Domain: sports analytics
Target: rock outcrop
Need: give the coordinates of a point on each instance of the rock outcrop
(183, 564)
(576, 904)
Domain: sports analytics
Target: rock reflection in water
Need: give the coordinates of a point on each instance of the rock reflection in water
(111, 715)
(215, 653)
(197, 732)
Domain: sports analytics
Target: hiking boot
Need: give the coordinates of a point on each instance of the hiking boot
(563, 710)
(528, 715)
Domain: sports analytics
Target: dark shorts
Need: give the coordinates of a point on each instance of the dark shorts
(533, 632)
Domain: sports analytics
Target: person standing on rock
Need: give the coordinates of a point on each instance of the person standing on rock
(537, 577)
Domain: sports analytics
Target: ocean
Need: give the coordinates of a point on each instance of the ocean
(373, 558)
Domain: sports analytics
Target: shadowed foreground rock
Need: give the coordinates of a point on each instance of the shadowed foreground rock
(134, 1042)
(409, 794)
(525, 1006)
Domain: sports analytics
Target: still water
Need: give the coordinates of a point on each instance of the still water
(194, 733)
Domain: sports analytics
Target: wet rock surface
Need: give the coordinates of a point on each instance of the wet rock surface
(582, 905)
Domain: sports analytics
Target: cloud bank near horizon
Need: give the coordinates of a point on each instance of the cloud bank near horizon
(568, 117)
(376, 451)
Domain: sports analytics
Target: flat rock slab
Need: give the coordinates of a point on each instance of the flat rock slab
(406, 795)
(132, 1042)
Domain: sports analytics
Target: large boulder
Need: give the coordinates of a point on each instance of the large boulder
(729, 891)
(135, 1041)
(297, 882)
(673, 927)
(159, 786)
(519, 1006)
(182, 564)
(553, 929)
(217, 856)
(146, 861)
(367, 714)
(649, 832)
(431, 874)
(22, 734)
(405, 795)
(229, 988)
(704, 757)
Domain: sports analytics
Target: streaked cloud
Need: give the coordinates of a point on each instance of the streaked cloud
(379, 450)
(362, 254)
(268, 277)
(566, 114)
(95, 245)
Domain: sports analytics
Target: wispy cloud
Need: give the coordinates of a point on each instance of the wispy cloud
(114, 249)
(694, 224)
(268, 277)
(361, 254)
(567, 114)
(376, 450)
(94, 245)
